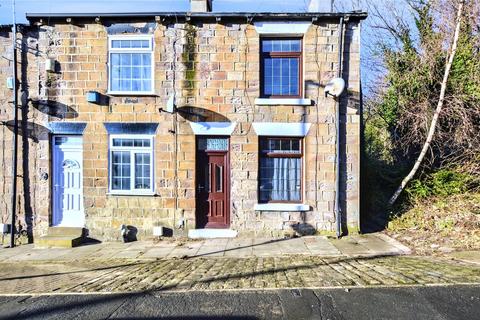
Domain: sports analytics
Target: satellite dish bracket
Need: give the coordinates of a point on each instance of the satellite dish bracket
(171, 106)
(335, 87)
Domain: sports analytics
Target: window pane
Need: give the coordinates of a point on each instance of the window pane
(142, 143)
(142, 171)
(136, 44)
(131, 72)
(146, 72)
(282, 45)
(115, 59)
(120, 170)
(137, 59)
(146, 59)
(123, 172)
(281, 145)
(280, 179)
(213, 144)
(131, 142)
(267, 45)
(136, 85)
(132, 44)
(281, 76)
(218, 178)
(125, 59)
(116, 44)
(279, 176)
(146, 85)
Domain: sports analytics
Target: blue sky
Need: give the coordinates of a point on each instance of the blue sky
(84, 6)
(387, 9)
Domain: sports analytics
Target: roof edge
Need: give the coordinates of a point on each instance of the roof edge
(206, 15)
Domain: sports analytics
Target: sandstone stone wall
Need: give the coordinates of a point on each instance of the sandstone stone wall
(32, 201)
(5, 115)
(214, 69)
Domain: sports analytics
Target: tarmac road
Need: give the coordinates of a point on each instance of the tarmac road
(430, 302)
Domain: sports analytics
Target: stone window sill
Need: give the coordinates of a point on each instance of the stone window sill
(135, 194)
(281, 207)
(131, 94)
(284, 102)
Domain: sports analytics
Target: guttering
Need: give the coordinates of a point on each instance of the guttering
(204, 15)
(338, 160)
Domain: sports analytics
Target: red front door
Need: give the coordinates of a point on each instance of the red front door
(213, 183)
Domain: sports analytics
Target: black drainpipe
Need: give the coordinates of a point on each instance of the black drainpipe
(15, 131)
(338, 209)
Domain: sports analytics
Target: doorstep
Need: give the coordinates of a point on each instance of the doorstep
(61, 237)
(212, 233)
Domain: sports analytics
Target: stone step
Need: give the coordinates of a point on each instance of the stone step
(211, 233)
(66, 232)
(50, 241)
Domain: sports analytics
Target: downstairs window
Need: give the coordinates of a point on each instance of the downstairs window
(280, 170)
(131, 164)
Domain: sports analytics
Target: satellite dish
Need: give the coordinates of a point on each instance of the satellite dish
(335, 87)
(170, 104)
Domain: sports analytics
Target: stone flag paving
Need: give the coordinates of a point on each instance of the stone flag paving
(211, 273)
(351, 246)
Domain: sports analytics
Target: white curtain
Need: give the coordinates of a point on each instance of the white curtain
(281, 179)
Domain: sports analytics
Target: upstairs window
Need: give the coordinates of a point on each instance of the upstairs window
(130, 64)
(281, 67)
(131, 164)
(280, 174)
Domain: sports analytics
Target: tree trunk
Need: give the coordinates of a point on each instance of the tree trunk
(433, 124)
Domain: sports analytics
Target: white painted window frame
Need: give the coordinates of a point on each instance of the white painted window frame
(133, 151)
(150, 50)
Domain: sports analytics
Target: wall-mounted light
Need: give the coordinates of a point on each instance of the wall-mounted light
(93, 97)
(10, 83)
(4, 228)
(50, 65)
(158, 231)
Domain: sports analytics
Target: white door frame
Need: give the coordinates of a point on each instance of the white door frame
(59, 217)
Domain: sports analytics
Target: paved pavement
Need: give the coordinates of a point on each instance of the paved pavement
(451, 302)
(352, 246)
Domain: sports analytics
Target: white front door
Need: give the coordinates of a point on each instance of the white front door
(68, 181)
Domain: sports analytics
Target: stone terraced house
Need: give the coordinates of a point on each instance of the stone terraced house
(203, 123)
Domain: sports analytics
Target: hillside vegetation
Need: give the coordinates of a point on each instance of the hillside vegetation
(439, 210)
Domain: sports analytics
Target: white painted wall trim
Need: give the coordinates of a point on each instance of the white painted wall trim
(213, 128)
(283, 102)
(212, 233)
(282, 207)
(280, 129)
(282, 27)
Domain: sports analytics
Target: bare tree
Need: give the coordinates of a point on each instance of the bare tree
(438, 110)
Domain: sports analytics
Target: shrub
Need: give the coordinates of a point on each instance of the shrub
(441, 183)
